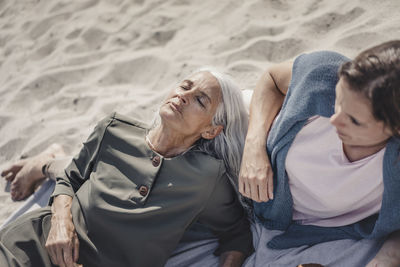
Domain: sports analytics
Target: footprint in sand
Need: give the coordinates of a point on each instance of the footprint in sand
(44, 25)
(266, 50)
(246, 74)
(253, 31)
(73, 34)
(94, 38)
(329, 21)
(4, 39)
(12, 148)
(71, 102)
(84, 59)
(4, 120)
(44, 50)
(141, 70)
(33, 93)
(73, 6)
(159, 38)
(359, 40)
(91, 39)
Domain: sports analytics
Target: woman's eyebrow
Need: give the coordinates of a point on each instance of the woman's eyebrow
(188, 82)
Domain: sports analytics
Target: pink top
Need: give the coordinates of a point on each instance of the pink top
(327, 189)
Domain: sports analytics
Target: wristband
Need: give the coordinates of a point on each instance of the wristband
(44, 169)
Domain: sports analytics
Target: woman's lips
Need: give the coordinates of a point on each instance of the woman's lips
(175, 107)
(340, 134)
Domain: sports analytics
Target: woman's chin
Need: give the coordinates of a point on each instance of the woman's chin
(169, 117)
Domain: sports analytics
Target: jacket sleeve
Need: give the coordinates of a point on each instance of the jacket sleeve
(225, 216)
(56, 167)
(81, 166)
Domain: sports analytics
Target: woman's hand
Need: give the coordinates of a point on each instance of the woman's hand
(389, 254)
(62, 243)
(383, 262)
(256, 176)
(231, 259)
(25, 174)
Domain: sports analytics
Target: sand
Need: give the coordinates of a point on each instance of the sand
(64, 65)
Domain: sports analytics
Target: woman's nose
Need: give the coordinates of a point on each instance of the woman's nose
(337, 119)
(184, 97)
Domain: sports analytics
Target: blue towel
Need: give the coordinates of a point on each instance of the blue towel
(312, 92)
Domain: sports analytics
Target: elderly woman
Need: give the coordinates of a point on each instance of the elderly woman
(331, 169)
(128, 196)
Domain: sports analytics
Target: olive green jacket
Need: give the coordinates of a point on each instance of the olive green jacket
(131, 206)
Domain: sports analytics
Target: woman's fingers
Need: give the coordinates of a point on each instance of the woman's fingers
(52, 255)
(76, 248)
(58, 255)
(257, 183)
(244, 186)
(67, 253)
(254, 194)
(247, 189)
(63, 253)
(263, 190)
(270, 184)
(10, 173)
(62, 242)
(256, 177)
(241, 185)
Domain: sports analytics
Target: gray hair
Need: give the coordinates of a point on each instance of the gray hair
(232, 115)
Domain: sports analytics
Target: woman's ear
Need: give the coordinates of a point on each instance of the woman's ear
(390, 132)
(212, 132)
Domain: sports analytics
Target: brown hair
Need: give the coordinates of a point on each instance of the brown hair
(375, 73)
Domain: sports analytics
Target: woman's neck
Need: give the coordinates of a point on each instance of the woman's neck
(354, 153)
(169, 143)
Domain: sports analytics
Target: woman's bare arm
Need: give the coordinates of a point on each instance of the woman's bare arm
(62, 242)
(255, 179)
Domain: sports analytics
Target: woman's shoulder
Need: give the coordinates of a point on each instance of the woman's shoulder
(311, 70)
(116, 119)
(119, 125)
(128, 120)
(321, 57)
(318, 62)
(206, 162)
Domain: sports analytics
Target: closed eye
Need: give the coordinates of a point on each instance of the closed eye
(354, 121)
(200, 102)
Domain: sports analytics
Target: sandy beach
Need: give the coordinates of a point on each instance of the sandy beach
(64, 65)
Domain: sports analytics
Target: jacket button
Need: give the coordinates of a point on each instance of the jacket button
(143, 190)
(156, 161)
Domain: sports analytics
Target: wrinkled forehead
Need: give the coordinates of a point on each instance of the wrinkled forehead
(206, 82)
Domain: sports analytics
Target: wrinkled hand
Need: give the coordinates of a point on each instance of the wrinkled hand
(25, 174)
(62, 243)
(256, 176)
